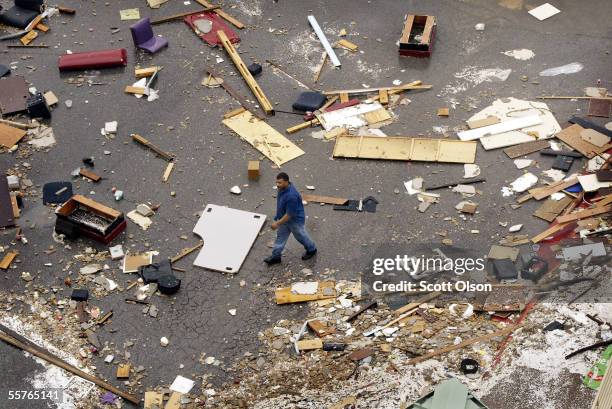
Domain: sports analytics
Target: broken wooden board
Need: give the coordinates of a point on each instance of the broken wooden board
(550, 209)
(146, 72)
(132, 262)
(347, 45)
(152, 399)
(324, 199)
(526, 148)
(501, 127)
(266, 105)
(134, 90)
(123, 371)
(9, 135)
(572, 136)
(310, 344)
(228, 236)
(8, 259)
(263, 137)
(167, 172)
(89, 175)
(320, 328)
(584, 214)
(14, 94)
(326, 290)
(479, 123)
(174, 402)
(540, 193)
(405, 148)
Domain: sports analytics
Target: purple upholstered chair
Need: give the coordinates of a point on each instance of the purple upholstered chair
(142, 34)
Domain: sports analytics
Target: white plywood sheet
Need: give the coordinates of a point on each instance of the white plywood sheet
(350, 117)
(505, 126)
(228, 236)
(505, 139)
(544, 11)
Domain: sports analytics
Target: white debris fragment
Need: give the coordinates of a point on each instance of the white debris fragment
(571, 68)
(235, 190)
(520, 54)
(111, 127)
(182, 385)
(527, 181)
(116, 252)
(142, 221)
(522, 163)
(465, 190)
(310, 187)
(515, 228)
(305, 287)
(414, 186)
(479, 27)
(163, 341)
(144, 210)
(470, 170)
(232, 312)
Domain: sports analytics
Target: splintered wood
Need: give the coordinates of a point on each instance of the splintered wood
(325, 290)
(263, 137)
(405, 148)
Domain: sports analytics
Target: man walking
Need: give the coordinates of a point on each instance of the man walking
(290, 218)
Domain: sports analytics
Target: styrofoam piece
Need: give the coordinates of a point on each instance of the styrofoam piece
(505, 126)
(328, 48)
(590, 183)
(228, 236)
(544, 11)
(577, 252)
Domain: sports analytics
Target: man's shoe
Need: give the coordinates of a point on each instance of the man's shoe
(309, 254)
(272, 260)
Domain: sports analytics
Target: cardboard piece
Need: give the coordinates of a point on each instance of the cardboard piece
(263, 137)
(13, 94)
(551, 208)
(132, 262)
(9, 135)
(501, 252)
(405, 148)
(228, 236)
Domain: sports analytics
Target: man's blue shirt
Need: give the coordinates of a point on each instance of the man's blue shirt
(289, 202)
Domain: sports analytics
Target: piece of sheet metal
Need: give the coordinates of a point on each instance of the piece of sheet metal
(328, 48)
(228, 236)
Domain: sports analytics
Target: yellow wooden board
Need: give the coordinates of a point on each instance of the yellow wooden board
(310, 344)
(285, 296)
(405, 148)
(153, 398)
(263, 137)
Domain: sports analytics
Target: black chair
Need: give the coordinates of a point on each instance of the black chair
(22, 13)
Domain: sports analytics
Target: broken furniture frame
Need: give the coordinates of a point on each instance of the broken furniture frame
(417, 36)
(83, 216)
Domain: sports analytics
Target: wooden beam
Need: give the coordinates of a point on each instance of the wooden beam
(42, 354)
(146, 72)
(145, 142)
(324, 199)
(222, 14)
(230, 90)
(242, 68)
(320, 68)
(8, 259)
(463, 344)
(185, 252)
(410, 86)
(542, 192)
(584, 214)
(548, 232)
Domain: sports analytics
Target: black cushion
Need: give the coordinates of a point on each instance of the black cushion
(34, 5)
(49, 190)
(18, 17)
(309, 101)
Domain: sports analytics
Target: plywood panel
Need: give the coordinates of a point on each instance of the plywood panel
(228, 236)
(405, 148)
(552, 208)
(263, 137)
(9, 135)
(572, 136)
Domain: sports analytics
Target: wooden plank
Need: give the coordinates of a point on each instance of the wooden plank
(412, 305)
(28, 38)
(242, 68)
(383, 96)
(572, 137)
(16, 210)
(407, 29)
(584, 214)
(526, 148)
(175, 399)
(167, 172)
(9, 135)
(479, 123)
(222, 14)
(153, 398)
(344, 97)
(542, 192)
(429, 25)
(347, 45)
(304, 125)
(285, 296)
(237, 96)
(263, 137)
(185, 252)
(42, 354)
(41, 27)
(146, 72)
(443, 112)
(310, 344)
(411, 86)
(548, 232)
(463, 344)
(253, 170)
(324, 199)
(97, 206)
(134, 90)
(320, 328)
(320, 68)
(145, 142)
(405, 148)
(8, 259)
(550, 209)
(89, 175)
